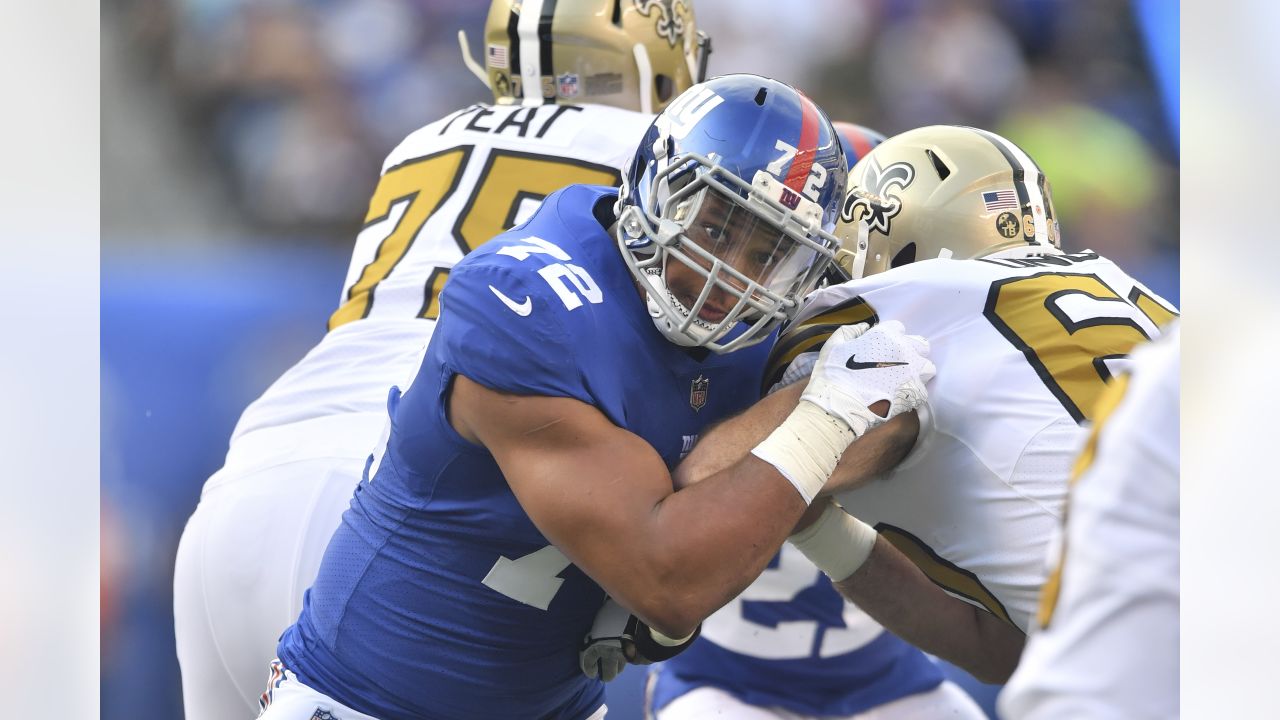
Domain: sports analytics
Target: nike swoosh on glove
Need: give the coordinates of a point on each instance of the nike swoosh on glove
(861, 365)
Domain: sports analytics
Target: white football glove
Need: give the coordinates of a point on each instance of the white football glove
(860, 365)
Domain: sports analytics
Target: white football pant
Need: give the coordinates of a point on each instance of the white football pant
(945, 701)
(247, 555)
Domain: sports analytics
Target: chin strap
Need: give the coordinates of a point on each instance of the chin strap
(860, 256)
(475, 67)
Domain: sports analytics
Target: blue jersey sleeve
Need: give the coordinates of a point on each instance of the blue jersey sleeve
(502, 326)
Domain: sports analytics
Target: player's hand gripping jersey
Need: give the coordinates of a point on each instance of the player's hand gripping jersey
(437, 577)
(1024, 347)
(447, 188)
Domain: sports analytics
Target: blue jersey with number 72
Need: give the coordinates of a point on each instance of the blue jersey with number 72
(437, 596)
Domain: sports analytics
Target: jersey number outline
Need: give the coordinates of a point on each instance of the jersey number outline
(420, 186)
(1070, 355)
(508, 181)
(788, 639)
(556, 274)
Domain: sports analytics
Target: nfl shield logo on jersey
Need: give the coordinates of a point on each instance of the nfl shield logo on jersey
(322, 714)
(698, 393)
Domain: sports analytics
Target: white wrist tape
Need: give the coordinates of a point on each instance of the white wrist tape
(666, 641)
(806, 447)
(838, 543)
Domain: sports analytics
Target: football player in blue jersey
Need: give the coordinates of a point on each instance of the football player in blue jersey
(528, 466)
(299, 450)
(790, 647)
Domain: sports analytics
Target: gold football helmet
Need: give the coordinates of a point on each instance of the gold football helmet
(632, 54)
(943, 191)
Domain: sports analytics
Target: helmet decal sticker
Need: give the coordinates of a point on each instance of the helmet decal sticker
(497, 56)
(607, 83)
(1007, 225)
(687, 111)
(669, 25)
(567, 85)
(879, 203)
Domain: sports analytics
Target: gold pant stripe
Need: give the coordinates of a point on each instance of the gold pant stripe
(812, 333)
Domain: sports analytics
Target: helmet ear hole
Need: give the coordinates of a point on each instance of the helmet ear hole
(939, 166)
(664, 86)
(905, 256)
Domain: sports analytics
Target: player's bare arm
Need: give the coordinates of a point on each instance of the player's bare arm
(870, 572)
(893, 591)
(604, 497)
(888, 586)
(868, 457)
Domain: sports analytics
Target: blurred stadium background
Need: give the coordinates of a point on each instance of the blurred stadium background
(242, 138)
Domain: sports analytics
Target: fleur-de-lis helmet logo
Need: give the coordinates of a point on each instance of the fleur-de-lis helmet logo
(878, 203)
(670, 24)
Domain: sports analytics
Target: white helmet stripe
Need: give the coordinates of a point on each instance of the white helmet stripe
(1028, 181)
(530, 51)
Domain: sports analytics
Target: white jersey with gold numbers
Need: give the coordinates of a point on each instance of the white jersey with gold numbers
(447, 188)
(1105, 643)
(1024, 347)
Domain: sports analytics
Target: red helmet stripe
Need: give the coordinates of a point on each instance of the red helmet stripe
(803, 160)
(860, 142)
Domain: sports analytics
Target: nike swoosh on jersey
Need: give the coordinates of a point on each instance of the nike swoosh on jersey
(853, 364)
(520, 308)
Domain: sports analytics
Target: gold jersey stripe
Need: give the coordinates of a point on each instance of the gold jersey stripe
(811, 333)
(1107, 404)
(942, 572)
(1157, 313)
(1102, 412)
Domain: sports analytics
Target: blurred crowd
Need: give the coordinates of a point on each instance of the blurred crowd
(284, 110)
(294, 103)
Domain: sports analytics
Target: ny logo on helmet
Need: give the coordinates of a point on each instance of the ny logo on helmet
(685, 112)
(878, 203)
(670, 25)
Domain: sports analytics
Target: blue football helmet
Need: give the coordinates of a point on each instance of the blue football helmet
(727, 211)
(857, 140)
